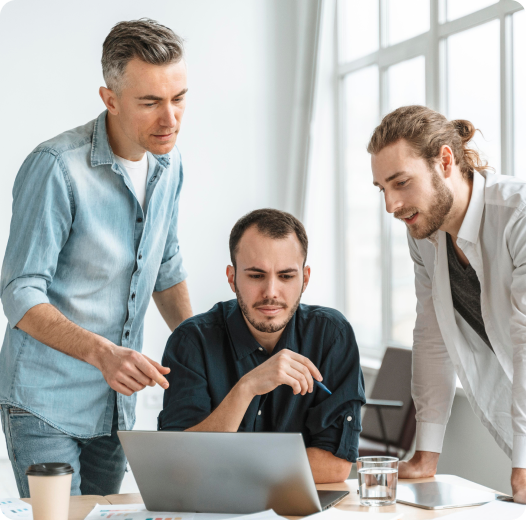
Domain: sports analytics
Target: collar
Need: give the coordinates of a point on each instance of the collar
(243, 341)
(469, 230)
(101, 152)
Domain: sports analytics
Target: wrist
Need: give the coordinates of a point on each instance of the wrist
(425, 458)
(243, 390)
(518, 474)
(96, 351)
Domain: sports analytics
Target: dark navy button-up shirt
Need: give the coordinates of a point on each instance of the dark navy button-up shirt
(209, 353)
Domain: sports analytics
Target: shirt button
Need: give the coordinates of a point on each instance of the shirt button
(139, 220)
(261, 348)
(127, 335)
(259, 412)
(133, 296)
(349, 418)
(140, 257)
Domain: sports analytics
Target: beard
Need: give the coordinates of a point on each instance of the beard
(267, 326)
(433, 219)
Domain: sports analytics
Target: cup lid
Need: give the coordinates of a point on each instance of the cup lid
(49, 469)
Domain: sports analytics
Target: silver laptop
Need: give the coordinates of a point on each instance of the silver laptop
(237, 473)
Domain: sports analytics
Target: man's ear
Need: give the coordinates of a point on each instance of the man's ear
(306, 277)
(109, 98)
(447, 160)
(231, 276)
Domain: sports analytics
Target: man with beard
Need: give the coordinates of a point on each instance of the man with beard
(467, 237)
(251, 364)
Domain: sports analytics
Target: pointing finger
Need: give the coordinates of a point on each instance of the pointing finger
(148, 368)
(158, 366)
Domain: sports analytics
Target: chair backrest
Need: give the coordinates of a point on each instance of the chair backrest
(393, 382)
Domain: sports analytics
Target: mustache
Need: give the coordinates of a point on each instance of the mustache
(405, 212)
(166, 130)
(274, 303)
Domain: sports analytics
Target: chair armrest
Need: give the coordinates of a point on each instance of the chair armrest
(384, 403)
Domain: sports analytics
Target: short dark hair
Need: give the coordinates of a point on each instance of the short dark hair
(145, 39)
(271, 223)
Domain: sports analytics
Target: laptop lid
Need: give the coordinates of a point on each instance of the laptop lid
(209, 472)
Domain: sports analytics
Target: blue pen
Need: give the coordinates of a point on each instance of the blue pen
(323, 387)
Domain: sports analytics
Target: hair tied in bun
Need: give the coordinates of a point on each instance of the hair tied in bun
(465, 129)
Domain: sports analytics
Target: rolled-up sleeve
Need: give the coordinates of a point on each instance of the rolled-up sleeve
(334, 422)
(43, 209)
(187, 401)
(171, 272)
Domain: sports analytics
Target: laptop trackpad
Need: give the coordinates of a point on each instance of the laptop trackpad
(330, 498)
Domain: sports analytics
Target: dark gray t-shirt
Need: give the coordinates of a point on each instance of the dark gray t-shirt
(465, 290)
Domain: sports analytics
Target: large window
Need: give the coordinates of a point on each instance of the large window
(464, 58)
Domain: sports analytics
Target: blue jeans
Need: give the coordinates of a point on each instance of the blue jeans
(99, 463)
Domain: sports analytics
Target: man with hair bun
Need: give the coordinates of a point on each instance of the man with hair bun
(93, 236)
(466, 230)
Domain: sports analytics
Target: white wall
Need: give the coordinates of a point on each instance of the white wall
(235, 133)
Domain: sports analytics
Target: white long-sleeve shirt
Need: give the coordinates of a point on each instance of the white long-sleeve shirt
(493, 238)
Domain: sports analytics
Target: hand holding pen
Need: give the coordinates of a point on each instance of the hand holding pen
(284, 368)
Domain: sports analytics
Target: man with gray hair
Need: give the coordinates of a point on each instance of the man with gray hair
(93, 235)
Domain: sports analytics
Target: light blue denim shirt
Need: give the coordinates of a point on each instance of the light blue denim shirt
(80, 240)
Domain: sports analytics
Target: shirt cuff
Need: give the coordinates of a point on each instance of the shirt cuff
(341, 440)
(430, 436)
(21, 295)
(170, 273)
(518, 459)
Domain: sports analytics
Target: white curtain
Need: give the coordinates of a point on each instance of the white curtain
(309, 19)
(321, 202)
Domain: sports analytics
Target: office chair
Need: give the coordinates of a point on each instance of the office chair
(389, 423)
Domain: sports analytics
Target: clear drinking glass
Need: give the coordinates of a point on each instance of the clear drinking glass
(377, 479)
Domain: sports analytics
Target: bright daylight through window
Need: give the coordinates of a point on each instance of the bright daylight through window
(464, 58)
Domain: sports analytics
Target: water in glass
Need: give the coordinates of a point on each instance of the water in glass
(377, 486)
